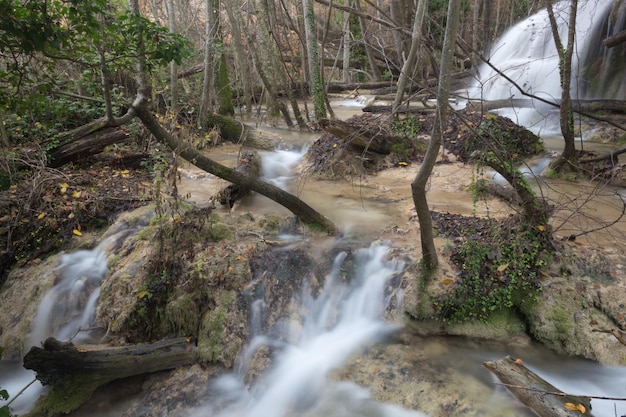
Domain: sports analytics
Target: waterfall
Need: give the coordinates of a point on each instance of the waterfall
(327, 329)
(527, 55)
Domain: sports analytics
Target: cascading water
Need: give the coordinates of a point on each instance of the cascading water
(66, 312)
(317, 339)
(527, 55)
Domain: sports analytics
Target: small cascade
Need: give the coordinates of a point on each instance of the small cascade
(68, 310)
(277, 166)
(527, 55)
(323, 334)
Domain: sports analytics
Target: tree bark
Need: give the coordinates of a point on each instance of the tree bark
(73, 374)
(408, 66)
(536, 393)
(88, 145)
(59, 362)
(566, 117)
(418, 186)
(615, 40)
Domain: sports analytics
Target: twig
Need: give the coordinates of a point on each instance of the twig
(21, 392)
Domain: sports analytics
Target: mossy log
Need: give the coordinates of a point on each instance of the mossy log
(57, 362)
(536, 393)
(74, 373)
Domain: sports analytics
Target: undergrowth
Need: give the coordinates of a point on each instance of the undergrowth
(499, 268)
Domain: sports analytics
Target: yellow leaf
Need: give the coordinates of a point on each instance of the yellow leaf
(70, 216)
(63, 187)
(402, 164)
(76, 194)
(230, 268)
(240, 258)
(576, 407)
(77, 232)
(447, 281)
(334, 145)
(541, 228)
(519, 361)
(503, 267)
(41, 216)
(142, 293)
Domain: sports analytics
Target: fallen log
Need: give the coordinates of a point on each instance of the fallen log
(88, 145)
(74, 373)
(536, 393)
(360, 138)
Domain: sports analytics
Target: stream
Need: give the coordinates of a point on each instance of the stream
(338, 323)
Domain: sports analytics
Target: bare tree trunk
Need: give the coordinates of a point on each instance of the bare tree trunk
(346, 44)
(376, 75)
(315, 83)
(171, 19)
(207, 82)
(418, 186)
(565, 60)
(236, 25)
(409, 64)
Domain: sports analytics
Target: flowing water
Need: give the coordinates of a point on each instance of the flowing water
(527, 55)
(337, 324)
(324, 333)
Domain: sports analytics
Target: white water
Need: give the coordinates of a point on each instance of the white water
(527, 55)
(318, 338)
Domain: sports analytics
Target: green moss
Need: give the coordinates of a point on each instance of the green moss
(562, 321)
(181, 314)
(65, 398)
(213, 329)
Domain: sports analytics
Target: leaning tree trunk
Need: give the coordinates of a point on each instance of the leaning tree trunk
(298, 207)
(566, 118)
(418, 186)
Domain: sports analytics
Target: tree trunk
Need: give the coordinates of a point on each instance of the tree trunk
(376, 75)
(298, 207)
(418, 186)
(409, 64)
(241, 63)
(171, 19)
(346, 45)
(316, 85)
(566, 118)
(536, 393)
(207, 82)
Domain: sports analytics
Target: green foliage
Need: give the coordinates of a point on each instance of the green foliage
(409, 127)
(5, 411)
(497, 272)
